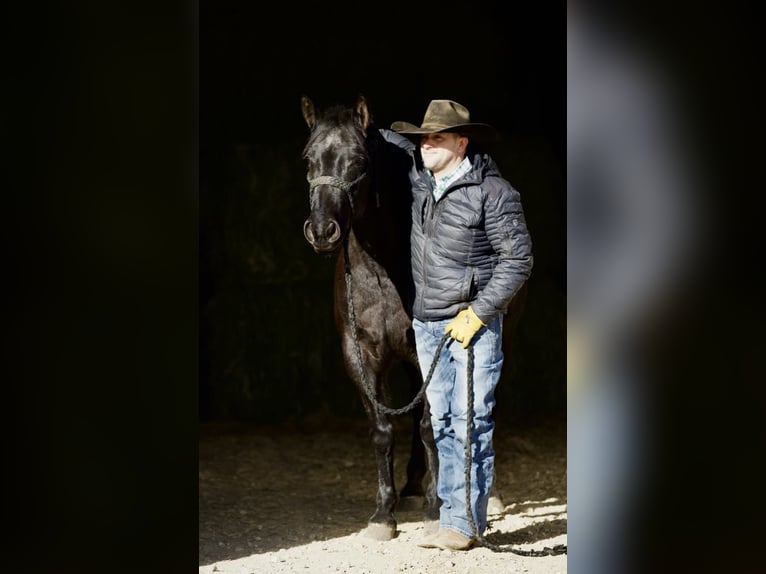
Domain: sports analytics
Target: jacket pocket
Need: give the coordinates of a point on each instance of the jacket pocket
(469, 288)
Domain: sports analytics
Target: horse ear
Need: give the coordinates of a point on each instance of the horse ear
(362, 113)
(309, 114)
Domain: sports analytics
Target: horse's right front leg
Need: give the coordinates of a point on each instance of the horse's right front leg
(382, 524)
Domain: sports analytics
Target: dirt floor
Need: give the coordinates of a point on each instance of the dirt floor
(296, 498)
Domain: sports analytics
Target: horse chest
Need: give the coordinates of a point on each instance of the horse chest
(374, 291)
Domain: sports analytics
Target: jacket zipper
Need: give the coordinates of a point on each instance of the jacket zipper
(427, 222)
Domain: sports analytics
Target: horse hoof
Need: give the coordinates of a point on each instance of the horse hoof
(407, 503)
(381, 532)
(495, 505)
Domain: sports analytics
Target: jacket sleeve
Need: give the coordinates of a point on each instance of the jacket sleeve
(507, 232)
(397, 139)
(403, 143)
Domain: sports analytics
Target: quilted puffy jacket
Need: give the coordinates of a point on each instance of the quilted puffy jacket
(471, 247)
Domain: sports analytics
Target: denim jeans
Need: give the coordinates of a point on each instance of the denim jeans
(447, 394)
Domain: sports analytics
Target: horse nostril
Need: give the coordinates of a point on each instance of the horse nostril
(333, 231)
(307, 232)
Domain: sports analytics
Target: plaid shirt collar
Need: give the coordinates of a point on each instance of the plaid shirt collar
(443, 183)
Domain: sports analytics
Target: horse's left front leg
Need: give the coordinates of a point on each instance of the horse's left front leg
(412, 495)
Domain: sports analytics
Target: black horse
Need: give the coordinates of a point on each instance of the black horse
(360, 202)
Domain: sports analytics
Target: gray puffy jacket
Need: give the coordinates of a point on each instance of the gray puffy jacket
(471, 247)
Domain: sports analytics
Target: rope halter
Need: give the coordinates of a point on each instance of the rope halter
(337, 182)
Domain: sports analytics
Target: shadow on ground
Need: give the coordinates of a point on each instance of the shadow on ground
(264, 488)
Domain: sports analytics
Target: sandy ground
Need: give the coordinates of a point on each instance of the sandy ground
(296, 498)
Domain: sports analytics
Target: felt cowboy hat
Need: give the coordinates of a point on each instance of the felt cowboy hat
(448, 116)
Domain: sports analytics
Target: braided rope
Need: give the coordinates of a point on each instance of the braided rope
(546, 551)
(369, 391)
(338, 182)
(331, 180)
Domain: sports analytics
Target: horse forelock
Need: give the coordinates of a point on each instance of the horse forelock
(337, 144)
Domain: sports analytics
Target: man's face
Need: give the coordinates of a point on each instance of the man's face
(442, 151)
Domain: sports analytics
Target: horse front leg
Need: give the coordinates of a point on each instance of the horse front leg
(412, 495)
(423, 459)
(382, 524)
(370, 377)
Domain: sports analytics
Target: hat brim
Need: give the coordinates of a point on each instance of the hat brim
(480, 133)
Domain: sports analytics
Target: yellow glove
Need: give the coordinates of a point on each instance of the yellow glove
(464, 326)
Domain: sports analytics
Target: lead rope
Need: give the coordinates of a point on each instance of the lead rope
(546, 551)
(368, 390)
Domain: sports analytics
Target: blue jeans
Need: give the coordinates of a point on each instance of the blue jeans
(448, 398)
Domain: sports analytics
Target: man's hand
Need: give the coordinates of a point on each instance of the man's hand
(464, 326)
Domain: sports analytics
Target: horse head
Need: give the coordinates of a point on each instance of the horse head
(337, 161)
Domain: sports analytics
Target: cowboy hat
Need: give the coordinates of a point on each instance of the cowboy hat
(448, 116)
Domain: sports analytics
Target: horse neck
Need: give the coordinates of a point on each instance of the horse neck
(383, 226)
(368, 228)
(383, 230)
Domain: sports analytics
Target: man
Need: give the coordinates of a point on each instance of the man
(471, 253)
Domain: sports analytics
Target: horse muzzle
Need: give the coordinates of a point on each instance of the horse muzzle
(325, 237)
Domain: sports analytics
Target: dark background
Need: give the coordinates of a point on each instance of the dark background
(268, 347)
(121, 124)
(155, 269)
